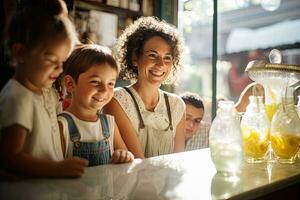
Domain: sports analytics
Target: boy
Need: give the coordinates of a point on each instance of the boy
(196, 131)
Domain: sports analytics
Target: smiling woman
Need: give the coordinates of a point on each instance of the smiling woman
(155, 63)
(151, 121)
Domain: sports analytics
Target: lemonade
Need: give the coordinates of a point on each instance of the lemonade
(271, 109)
(255, 145)
(285, 146)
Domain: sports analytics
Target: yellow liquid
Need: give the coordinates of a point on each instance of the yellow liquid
(285, 146)
(270, 110)
(254, 146)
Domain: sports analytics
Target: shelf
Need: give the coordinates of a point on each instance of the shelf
(92, 5)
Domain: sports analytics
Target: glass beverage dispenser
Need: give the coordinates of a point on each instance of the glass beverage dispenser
(276, 78)
(285, 129)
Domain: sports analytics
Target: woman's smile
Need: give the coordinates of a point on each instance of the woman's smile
(157, 73)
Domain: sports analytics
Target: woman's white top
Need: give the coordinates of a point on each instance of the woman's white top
(155, 138)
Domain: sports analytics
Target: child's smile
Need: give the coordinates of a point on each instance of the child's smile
(94, 88)
(39, 69)
(99, 99)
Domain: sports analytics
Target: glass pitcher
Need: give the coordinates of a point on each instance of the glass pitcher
(298, 111)
(255, 130)
(285, 129)
(223, 187)
(225, 140)
(298, 106)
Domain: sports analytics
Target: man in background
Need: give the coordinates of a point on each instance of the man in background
(196, 131)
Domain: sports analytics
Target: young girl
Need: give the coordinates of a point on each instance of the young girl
(40, 39)
(90, 74)
(151, 121)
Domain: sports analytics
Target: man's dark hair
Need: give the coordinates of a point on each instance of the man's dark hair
(193, 99)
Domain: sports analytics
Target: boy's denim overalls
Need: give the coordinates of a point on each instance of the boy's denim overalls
(97, 153)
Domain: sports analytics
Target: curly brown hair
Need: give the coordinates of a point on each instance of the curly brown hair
(132, 40)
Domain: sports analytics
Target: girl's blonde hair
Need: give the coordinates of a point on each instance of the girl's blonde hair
(38, 23)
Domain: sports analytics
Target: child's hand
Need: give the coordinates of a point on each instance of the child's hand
(121, 156)
(72, 167)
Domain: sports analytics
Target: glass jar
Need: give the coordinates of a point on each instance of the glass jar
(298, 106)
(255, 130)
(298, 111)
(225, 140)
(285, 130)
(223, 187)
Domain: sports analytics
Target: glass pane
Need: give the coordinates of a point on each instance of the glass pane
(248, 30)
(195, 24)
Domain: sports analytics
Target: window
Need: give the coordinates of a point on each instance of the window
(247, 30)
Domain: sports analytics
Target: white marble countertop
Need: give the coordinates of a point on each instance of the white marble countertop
(188, 175)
